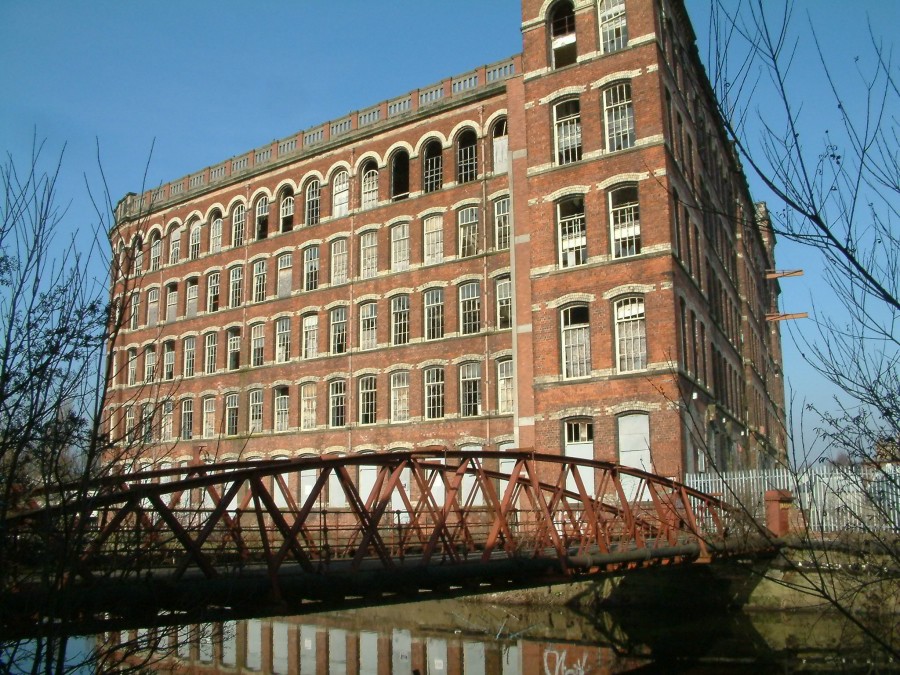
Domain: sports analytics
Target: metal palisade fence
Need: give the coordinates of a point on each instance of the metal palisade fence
(832, 498)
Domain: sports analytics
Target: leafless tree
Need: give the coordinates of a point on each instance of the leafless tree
(58, 328)
(831, 171)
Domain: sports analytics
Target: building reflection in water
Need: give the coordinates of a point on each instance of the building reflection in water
(338, 645)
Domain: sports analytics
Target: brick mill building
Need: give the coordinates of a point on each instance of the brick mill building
(556, 251)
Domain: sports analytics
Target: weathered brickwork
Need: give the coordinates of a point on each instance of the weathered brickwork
(557, 251)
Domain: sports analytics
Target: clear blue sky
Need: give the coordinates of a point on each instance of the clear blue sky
(208, 79)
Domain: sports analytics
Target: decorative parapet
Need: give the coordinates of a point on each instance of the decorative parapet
(369, 118)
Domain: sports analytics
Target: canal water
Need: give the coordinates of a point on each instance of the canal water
(469, 637)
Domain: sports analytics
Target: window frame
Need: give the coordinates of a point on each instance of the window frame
(368, 400)
(469, 308)
(470, 389)
(567, 132)
(631, 352)
(618, 117)
(575, 341)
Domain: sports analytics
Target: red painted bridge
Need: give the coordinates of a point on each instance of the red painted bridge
(313, 534)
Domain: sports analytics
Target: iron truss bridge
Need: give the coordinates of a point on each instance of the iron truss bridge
(316, 534)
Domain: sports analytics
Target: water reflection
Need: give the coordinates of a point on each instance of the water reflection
(472, 638)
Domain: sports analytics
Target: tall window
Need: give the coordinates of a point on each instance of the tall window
(235, 286)
(259, 281)
(262, 218)
(368, 337)
(286, 212)
(400, 247)
(132, 366)
(234, 348)
(340, 194)
(190, 301)
(175, 246)
(212, 292)
(368, 410)
(209, 417)
(285, 274)
(369, 193)
(255, 416)
(231, 414)
(194, 242)
(155, 252)
(567, 131)
(152, 306)
(190, 355)
(468, 231)
(504, 303)
(562, 34)
(282, 339)
(209, 349)
(237, 225)
(338, 330)
(434, 393)
(434, 313)
(434, 239)
(631, 335)
(368, 255)
(613, 29)
(624, 217)
(187, 419)
(466, 157)
(149, 364)
(505, 387)
(257, 344)
(500, 147)
(215, 235)
(579, 444)
(400, 320)
(618, 115)
(400, 396)
(313, 192)
(400, 175)
(572, 232)
(339, 265)
(138, 253)
(469, 308)
(433, 167)
(576, 341)
(633, 430)
(129, 424)
(310, 268)
(134, 316)
(502, 230)
(310, 344)
(167, 423)
(470, 389)
(308, 406)
(337, 403)
(169, 360)
(282, 408)
(171, 302)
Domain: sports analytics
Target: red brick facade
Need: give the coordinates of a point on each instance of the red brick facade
(600, 263)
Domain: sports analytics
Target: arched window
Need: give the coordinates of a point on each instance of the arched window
(625, 221)
(175, 246)
(631, 335)
(500, 146)
(194, 241)
(400, 175)
(470, 389)
(368, 403)
(215, 233)
(466, 156)
(313, 191)
(618, 116)
(572, 232)
(262, 218)
(155, 252)
(576, 341)
(469, 308)
(562, 34)
(137, 254)
(633, 431)
(237, 225)
(433, 167)
(286, 211)
(340, 194)
(369, 192)
(567, 131)
(579, 444)
(613, 28)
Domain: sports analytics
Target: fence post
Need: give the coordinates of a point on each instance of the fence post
(778, 510)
